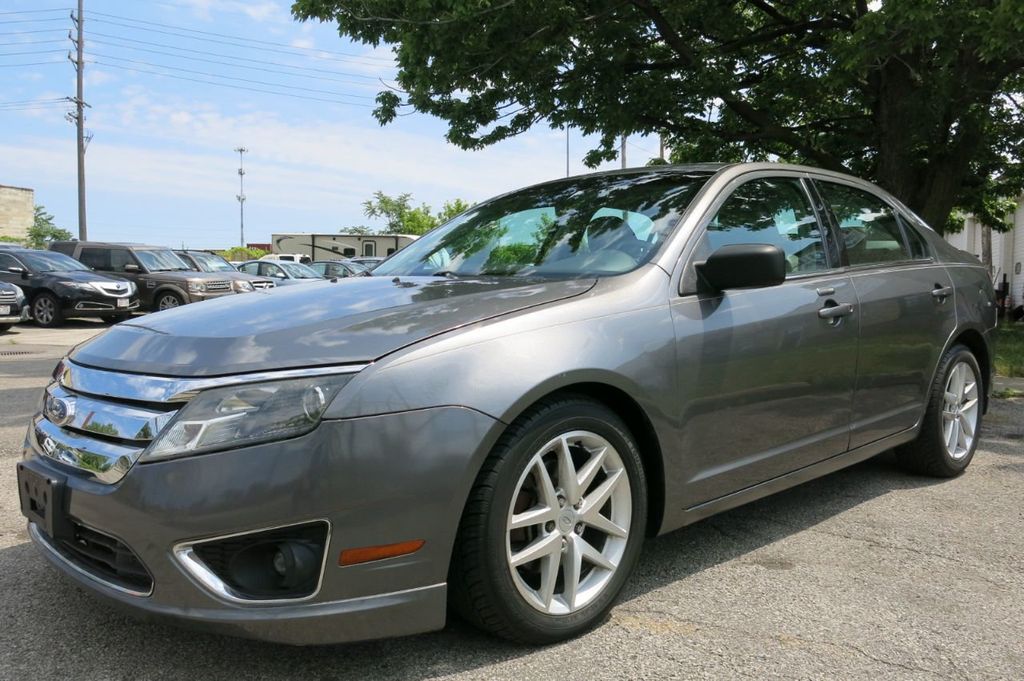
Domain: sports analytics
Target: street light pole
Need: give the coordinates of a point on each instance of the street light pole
(241, 195)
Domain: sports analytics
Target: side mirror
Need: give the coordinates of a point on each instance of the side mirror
(132, 268)
(18, 270)
(743, 266)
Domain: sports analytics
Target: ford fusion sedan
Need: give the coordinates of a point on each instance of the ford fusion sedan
(163, 280)
(496, 421)
(13, 306)
(58, 287)
(282, 272)
(203, 261)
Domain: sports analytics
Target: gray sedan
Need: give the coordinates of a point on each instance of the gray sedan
(497, 418)
(283, 273)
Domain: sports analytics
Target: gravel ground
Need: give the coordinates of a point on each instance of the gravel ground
(865, 574)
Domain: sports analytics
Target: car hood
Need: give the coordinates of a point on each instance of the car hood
(82, 276)
(185, 275)
(353, 320)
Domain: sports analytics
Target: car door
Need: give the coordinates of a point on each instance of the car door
(765, 375)
(907, 311)
(275, 272)
(6, 261)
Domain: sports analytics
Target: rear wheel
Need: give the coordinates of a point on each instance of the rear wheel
(952, 423)
(46, 310)
(169, 300)
(553, 526)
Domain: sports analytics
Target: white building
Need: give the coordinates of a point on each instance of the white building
(1007, 252)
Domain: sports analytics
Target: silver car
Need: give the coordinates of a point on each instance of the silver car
(498, 417)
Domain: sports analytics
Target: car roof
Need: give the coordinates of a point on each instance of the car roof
(117, 244)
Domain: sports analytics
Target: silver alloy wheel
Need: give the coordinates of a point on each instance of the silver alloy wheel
(960, 410)
(568, 522)
(168, 301)
(43, 310)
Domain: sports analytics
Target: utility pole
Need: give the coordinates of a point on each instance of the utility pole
(241, 195)
(79, 116)
(622, 151)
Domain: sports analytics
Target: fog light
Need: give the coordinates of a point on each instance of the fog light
(296, 564)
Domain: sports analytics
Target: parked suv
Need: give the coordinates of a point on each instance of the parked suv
(57, 286)
(201, 261)
(13, 306)
(163, 279)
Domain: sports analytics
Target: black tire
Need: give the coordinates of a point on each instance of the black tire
(162, 301)
(929, 454)
(481, 584)
(46, 311)
(5, 327)
(115, 318)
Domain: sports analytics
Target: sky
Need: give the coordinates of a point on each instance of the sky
(175, 85)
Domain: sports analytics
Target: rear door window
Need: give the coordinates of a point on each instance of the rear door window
(869, 227)
(96, 258)
(918, 246)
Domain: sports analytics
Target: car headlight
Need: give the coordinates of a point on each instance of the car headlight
(132, 288)
(80, 285)
(196, 287)
(243, 285)
(19, 294)
(242, 415)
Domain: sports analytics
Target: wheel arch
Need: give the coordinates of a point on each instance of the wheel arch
(974, 340)
(168, 288)
(617, 399)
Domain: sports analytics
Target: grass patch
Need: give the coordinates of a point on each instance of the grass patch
(1007, 393)
(1010, 350)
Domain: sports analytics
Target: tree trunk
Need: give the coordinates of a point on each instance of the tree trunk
(986, 247)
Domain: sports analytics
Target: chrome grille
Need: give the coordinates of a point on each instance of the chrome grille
(114, 289)
(218, 286)
(7, 295)
(263, 283)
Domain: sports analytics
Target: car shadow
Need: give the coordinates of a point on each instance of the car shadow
(47, 616)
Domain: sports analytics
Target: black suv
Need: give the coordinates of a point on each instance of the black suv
(164, 281)
(57, 286)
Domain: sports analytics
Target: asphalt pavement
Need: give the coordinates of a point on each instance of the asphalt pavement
(868, 573)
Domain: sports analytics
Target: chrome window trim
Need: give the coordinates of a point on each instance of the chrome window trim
(195, 568)
(106, 383)
(43, 542)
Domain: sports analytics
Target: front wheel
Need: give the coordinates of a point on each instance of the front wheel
(952, 423)
(553, 526)
(46, 310)
(5, 327)
(169, 301)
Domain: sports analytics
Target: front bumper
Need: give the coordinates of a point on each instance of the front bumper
(85, 304)
(200, 296)
(16, 317)
(376, 480)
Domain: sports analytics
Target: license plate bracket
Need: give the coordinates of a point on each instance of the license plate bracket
(5, 310)
(43, 496)
(122, 302)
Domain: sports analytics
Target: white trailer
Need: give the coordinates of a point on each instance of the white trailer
(334, 246)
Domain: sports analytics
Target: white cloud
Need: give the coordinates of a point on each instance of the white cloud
(257, 10)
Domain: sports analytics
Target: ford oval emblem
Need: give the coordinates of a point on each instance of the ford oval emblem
(60, 411)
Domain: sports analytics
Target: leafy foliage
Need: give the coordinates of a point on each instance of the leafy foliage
(43, 230)
(401, 217)
(922, 96)
(240, 253)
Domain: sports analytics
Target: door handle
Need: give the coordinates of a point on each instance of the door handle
(836, 311)
(942, 292)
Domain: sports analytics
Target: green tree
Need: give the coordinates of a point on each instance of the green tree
(401, 217)
(241, 253)
(43, 231)
(922, 96)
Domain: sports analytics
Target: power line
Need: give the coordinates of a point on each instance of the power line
(234, 78)
(33, 63)
(37, 11)
(18, 54)
(32, 42)
(42, 30)
(33, 101)
(235, 37)
(236, 87)
(250, 47)
(30, 21)
(261, 67)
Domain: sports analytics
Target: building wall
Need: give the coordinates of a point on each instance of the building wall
(1007, 251)
(17, 211)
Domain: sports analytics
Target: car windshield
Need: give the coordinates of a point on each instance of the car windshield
(597, 225)
(208, 262)
(163, 260)
(51, 262)
(299, 271)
